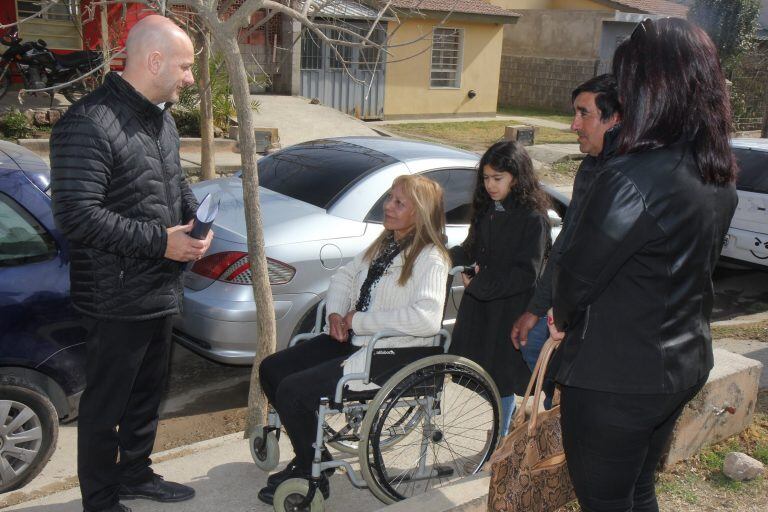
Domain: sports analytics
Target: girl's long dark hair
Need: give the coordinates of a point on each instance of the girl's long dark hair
(511, 157)
(672, 89)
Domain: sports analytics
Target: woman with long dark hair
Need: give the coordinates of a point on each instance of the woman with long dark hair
(505, 248)
(633, 288)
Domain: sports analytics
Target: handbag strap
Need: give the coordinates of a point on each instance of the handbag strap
(536, 385)
(546, 354)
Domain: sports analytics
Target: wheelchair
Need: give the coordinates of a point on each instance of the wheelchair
(431, 422)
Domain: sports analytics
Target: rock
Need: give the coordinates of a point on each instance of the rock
(314, 101)
(218, 132)
(30, 115)
(41, 117)
(54, 116)
(740, 466)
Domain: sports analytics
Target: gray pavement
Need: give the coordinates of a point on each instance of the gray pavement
(223, 474)
(224, 477)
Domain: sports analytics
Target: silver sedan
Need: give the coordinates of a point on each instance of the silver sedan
(321, 204)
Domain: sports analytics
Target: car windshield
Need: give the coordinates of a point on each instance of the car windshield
(753, 170)
(318, 172)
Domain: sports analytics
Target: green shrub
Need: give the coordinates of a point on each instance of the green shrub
(187, 121)
(14, 125)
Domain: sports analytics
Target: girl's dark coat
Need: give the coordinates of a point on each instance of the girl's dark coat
(509, 248)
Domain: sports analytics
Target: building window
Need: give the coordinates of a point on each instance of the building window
(63, 11)
(445, 68)
(311, 51)
(58, 26)
(345, 52)
(372, 57)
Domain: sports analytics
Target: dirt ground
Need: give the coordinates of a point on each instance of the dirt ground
(175, 432)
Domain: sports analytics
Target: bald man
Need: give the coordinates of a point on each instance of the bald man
(124, 205)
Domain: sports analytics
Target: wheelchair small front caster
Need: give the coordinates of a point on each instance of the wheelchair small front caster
(290, 496)
(264, 448)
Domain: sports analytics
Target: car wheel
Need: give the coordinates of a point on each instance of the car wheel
(29, 428)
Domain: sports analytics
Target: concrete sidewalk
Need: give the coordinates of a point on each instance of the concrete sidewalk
(224, 477)
(223, 474)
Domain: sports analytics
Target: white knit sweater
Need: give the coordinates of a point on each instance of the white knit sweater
(415, 309)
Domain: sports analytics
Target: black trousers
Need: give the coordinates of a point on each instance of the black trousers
(295, 379)
(126, 371)
(613, 443)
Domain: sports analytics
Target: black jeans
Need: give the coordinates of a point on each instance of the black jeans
(613, 443)
(295, 379)
(126, 370)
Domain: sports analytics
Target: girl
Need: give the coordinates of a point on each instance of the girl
(507, 241)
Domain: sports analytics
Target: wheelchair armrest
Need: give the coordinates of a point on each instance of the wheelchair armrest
(301, 337)
(319, 314)
(378, 336)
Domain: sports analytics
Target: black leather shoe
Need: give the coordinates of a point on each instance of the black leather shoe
(157, 489)
(267, 494)
(117, 507)
(289, 471)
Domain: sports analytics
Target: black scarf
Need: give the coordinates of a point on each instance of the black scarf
(390, 249)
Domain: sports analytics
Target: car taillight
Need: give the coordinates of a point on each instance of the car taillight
(234, 267)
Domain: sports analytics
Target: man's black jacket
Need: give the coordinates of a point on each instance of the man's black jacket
(633, 287)
(117, 184)
(590, 166)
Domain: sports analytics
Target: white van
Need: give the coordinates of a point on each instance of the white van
(747, 240)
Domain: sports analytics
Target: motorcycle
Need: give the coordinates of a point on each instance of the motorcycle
(41, 68)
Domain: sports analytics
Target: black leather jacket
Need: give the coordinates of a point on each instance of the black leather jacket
(585, 176)
(117, 184)
(633, 287)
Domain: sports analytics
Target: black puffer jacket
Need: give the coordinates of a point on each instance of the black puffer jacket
(117, 184)
(633, 287)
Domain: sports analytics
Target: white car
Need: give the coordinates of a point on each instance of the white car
(747, 240)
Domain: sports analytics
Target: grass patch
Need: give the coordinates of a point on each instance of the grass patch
(754, 331)
(549, 115)
(567, 168)
(474, 135)
(679, 486)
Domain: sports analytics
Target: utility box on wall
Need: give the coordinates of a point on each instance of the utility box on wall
(521, 133)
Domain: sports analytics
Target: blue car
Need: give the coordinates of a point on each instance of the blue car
(42, 338)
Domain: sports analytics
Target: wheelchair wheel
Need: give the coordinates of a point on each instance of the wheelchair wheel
(290, 494)
(265, 449)
(456, 407)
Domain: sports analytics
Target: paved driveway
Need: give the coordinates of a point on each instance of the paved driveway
(297, 120)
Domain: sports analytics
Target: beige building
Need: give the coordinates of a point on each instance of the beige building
(450, 68)
(442, 59)
(557, 44)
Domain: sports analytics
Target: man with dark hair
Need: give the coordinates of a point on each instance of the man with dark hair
(122, 201)
(596, 113)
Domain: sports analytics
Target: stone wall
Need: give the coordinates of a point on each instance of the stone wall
(541, 82)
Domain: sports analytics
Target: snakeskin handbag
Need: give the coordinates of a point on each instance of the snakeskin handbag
(528, 469)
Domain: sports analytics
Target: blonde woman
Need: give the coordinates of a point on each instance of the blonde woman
(398, 283)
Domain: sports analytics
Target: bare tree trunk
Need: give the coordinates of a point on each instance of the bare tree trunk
(207, 164)
(104, 37)
(265, 313)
